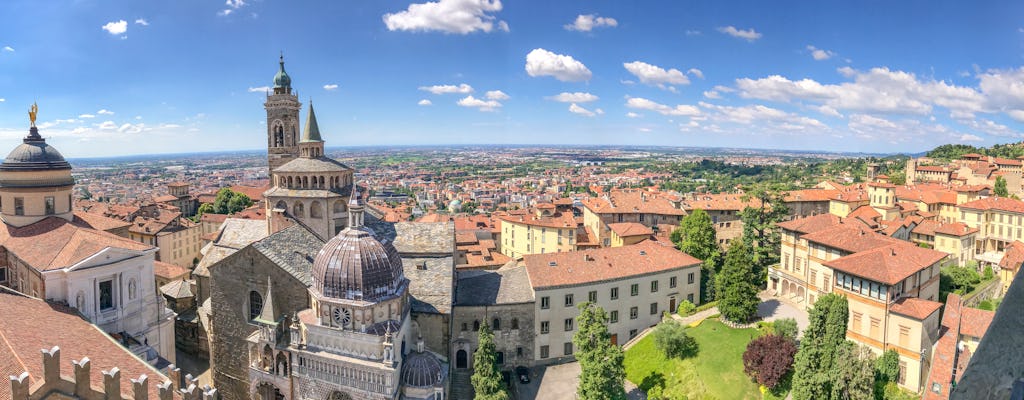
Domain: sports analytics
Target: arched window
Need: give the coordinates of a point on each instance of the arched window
(298, 210)
(321, 182)
(476, 325)
(515, 323)
(305, 182)
(281, 205)
(290, 182)
(316, 210)
(255, 304)
(281, 364)
(496, 324)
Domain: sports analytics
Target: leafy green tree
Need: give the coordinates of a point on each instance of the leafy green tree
(958, 279)
(602, 373)
(696, 236)
(1000, 187)
(486, 379)
(685, 308)
(469, 206)
(759, 228)
(854, 375)
(813, 377)
(787, 327)
(887, 367)
(226, 202)
(737, 293)
(671, 339)
(988, 273)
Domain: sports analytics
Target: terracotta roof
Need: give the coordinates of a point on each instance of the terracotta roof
(811, 224)
(28, 325)
(254, 193)
(926, 227)
(931, 168)
(56, 243)
(955, 229)
(888, 264)
(1005, 161)
(996, 203)
(168, 271)
(726, 201)
(625, 229)
(945, 355)
(165, 198)
(850, 238)
(866, 213)
(1013, 257)
(556, 220)
(975, 322)
(605, 264)
(810, 195)
(631, 202)
(99, 222)
(915, 308)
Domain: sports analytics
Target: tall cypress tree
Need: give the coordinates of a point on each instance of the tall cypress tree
(602, 373)
(815, 361)
(737, 293)
(486, 379)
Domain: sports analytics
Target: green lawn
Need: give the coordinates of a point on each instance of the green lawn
(715, 373)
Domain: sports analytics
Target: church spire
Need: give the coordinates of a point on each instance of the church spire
(312, 131)
(267, 313)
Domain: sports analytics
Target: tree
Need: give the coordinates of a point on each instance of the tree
(685, 307)
(1000, 187)
(768, 359)
(226, 202)
(737, 293)
(759, 228)
(696, 236)
(813, 376)
(887, 367)
(787, 328)
(854, 377)
(486, 379)
(602, 373)
(671, 339)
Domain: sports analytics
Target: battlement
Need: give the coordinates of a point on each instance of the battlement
(55, 386)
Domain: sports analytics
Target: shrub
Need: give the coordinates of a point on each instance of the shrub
(787, 327)
(768, 359)
(671, 339)
(887, 367)
(685, 308)
(988, 273)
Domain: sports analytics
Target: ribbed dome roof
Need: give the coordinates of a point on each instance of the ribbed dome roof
(34, 154)
(281, 78)
(354, 265)
(422, 369)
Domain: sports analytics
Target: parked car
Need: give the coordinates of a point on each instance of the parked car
(523, 374)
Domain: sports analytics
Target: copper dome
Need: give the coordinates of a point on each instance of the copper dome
(354, 265)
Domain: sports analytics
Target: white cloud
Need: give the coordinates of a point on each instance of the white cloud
(820, 54)
(575, 109)
(585, 23)
(424, 102)
(142, 21)
(970, 138)
(696, 72)
(2, 99)
(449, 16)
(576, 97)
(482, 105)
(712, 94)
(331, 86)
(105, 112)
(86, 116)
(541, 62)
(757, 114)
(106, 125)
(633, 115)
(496, 95)
(442, 89)
(693, 32)
(9, 48)
(655, 75)
(827, 110)
(116, 28)
(259, 89)
(232, 6)
(679, 110)
(748, 34)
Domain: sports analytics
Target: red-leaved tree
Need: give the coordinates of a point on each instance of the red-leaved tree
(768, 359)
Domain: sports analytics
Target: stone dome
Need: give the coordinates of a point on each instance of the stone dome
(421, 370)
(34, 154)
(354, 265)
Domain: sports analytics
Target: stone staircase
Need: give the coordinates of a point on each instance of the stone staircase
(462, 388)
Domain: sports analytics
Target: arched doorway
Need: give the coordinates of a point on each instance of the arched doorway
(266, 391)
(460, 359)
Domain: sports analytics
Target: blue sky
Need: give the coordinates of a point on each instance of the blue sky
(129, 77)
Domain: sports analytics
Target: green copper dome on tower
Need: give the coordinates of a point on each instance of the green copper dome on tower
(281, 79)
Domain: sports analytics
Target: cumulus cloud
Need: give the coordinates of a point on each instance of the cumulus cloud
(482, 105)
(105, 112)
(86, 116)
(586, 23)
(655, 75)
(575, 109)
(820, 54)
(757, 114)
(748, 34)
(331, 86)
(712, 94)
(633, 115)
(496, 95)
(970, 138)
(259, 89)
(2, 99)
(443, 89)
(448, 16)
(696, 72)
(142, 21)
(540, 62)
(9, 49)
(233, 5)
(116, 27)
(679, 110)
(576, 97)
(424, 102)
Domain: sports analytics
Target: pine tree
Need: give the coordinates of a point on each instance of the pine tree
(854, 377)
(737, 294)
(486, 379)
(602, 373)
(813, 377)
(696, 236)
(759, 228)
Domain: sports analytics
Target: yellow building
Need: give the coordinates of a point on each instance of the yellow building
(179, 239)
(647, 209)
(956, 239)
(627, 233)
(882, 198)
(999, 222)
(843, 203)
(1010, 264)
(892, 285)
(538, 231)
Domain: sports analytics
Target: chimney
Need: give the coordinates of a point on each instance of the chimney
(140, 388)
(892, 251)
(83, 383)
(112, 384)
(51, 365)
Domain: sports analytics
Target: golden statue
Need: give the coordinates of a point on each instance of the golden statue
(32, 114)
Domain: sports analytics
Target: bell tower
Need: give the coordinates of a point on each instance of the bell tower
(282, 120)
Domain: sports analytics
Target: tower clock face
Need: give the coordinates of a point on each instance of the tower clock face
(342, 316)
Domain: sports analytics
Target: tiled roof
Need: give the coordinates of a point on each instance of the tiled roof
(955, 229)
(254, 193)
(626, 229)
(1013, 257)
(55, 243)
(727, 201)
(319, 164)
(996, 203)
(850, 238)
(293, 249)
(631, 202)
(168, 271)
(99, 222)
(165, 198)
(605, 264)
(944, 358)
(28, 325)
(178, 289)
(889, 264)
(811, 224)
(915, 308)
(810, 195)
(975, 322)
(556, 220)
(504, 286)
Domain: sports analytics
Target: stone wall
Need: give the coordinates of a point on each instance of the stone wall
(506, 339)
